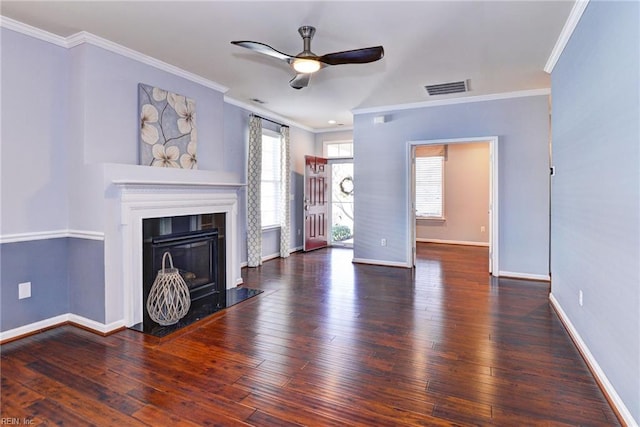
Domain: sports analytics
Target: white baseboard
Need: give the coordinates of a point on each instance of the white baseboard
(52, 322)
(96, 326)
(593, 364)
(33, 327)
(270, 257)
(526, 276)
(452, 242)
(381, 262)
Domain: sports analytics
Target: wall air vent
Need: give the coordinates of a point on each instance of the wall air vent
(447, 88)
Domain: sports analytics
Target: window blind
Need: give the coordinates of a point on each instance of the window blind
(430, 181)
(271, 180)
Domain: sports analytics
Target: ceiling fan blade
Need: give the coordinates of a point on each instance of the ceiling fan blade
(263, 49)
(300, 81)
(356, 56)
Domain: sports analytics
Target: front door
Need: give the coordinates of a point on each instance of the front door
(316, 206)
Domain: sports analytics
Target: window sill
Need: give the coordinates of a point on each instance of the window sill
(431, 219)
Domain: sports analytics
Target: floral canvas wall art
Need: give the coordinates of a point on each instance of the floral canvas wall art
(168, 136)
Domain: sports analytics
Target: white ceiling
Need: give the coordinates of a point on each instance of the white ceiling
(500, 46)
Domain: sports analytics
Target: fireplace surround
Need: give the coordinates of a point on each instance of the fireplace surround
(140, 200)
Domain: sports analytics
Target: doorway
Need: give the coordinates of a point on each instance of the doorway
(492, 209)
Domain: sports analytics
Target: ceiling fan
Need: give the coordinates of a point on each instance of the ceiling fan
(306, 62)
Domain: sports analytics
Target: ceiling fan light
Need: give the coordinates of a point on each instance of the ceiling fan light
(306, 66)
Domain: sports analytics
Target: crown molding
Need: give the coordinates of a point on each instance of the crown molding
(281, 119)
(568, 29)
(84, 37)
(453, 101)
(267, 114)
(28, 30)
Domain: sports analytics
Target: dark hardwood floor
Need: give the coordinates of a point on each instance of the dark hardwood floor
(329, 343)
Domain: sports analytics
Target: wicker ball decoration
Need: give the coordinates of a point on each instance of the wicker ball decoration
(169, 298)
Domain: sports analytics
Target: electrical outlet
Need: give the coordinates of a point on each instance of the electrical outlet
(580, 297)
(383, 242)
(482, 229)
(298, 231)
(24, 290)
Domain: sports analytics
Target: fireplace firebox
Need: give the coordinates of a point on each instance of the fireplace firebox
(196, 244)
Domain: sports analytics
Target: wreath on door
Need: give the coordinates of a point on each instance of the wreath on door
(346, 186)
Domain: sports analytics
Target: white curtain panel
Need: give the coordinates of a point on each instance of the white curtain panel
(254, 177)
(285, 204)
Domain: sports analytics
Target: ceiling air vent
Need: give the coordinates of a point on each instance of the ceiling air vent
(447, 88)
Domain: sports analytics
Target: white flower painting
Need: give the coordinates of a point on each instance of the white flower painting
(168, 136)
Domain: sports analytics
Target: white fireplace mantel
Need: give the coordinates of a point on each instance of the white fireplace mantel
(141, 199)
(150, 185)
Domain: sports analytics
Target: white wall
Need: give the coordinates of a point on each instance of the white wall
(466, 197)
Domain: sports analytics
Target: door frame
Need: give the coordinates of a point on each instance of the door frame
(494, 214)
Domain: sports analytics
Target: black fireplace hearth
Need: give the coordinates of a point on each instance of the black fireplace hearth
(232, 296)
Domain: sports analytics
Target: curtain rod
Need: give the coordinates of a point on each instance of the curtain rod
(269, 120)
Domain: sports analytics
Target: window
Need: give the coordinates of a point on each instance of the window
(430, 182)
(341, 149)
(271, 179)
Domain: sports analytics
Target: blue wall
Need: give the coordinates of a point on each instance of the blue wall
(595, 221)
(381, 202)
(86, 278)
(44, 263)
(69, 123)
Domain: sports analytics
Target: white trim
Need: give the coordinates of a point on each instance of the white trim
(452, 242)
(452, 101)
(266, 113)
(569, 27)
(526, 276)
(494, 214)
(139, 184)
(28, 30)
(34, 327)
(96, 326)
(270, 257)
(334, 129)
(138, 202)
(593, 364)
(54, 234)
(85, 37)
(380, 262)
(89, 235)
(58, 321)
(88, 38)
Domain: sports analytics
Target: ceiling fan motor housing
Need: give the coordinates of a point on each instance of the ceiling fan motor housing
(306, 32)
